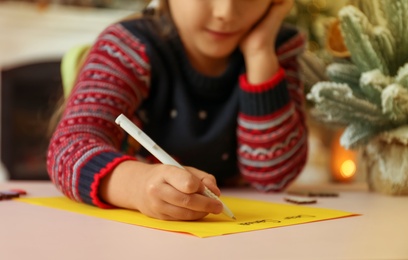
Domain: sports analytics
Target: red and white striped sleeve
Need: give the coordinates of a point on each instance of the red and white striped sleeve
(85, 146)
(272, 133)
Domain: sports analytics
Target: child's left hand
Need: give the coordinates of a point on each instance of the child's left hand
(262, 37)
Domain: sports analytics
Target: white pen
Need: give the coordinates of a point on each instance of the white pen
(159, 153)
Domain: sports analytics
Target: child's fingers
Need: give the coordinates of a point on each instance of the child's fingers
(282, 7)
(194, 202)
(184, 188)
(190, 180)
(182, 180)
(171, 212)
(207, 179)
(161, 209)
(211, 184)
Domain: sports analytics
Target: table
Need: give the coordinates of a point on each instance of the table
(33, 232)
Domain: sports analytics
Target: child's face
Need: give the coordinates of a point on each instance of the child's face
(214, 28)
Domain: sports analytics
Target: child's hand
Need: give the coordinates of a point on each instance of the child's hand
(172, 193)
(164, 192)
(263, 36)
(258, 46)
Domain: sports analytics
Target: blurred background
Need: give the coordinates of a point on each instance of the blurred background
(34, 35)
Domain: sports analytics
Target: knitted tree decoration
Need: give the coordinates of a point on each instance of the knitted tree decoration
(368, 94)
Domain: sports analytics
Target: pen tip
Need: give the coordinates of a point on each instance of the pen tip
(234, 218)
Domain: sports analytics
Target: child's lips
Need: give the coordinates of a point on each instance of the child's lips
(220, 34)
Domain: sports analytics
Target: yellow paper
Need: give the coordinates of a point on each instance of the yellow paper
(251, 215)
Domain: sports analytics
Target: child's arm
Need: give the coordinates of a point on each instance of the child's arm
(272, 134)
(84, 159)
(258, 47)
(160, 191)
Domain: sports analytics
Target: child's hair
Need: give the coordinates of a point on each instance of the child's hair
(162, 18)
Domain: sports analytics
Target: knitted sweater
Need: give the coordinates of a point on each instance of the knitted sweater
(222, 125)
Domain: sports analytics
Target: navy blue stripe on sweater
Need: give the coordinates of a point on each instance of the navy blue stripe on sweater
(256, 104)
(91, 169)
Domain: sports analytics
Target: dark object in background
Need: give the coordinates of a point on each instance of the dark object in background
(29, 96)
(300, 200)
(11, 194)
(313, 193)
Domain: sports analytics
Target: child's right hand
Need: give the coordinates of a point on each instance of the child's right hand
(161, 191)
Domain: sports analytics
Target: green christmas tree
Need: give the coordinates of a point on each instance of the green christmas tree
(368, 93)
(313, 17)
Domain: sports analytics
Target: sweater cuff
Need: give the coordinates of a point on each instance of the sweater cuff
(264, 98)
(92, 173)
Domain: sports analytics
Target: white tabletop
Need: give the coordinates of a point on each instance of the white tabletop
(33, 232)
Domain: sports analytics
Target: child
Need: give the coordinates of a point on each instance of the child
(214, 82)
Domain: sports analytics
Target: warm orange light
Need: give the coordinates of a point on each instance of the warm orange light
(348, 169)
(343, 161)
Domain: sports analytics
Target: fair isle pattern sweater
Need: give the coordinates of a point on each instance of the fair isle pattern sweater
(222, 125)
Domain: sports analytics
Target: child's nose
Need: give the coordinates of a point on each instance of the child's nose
(223, 9)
